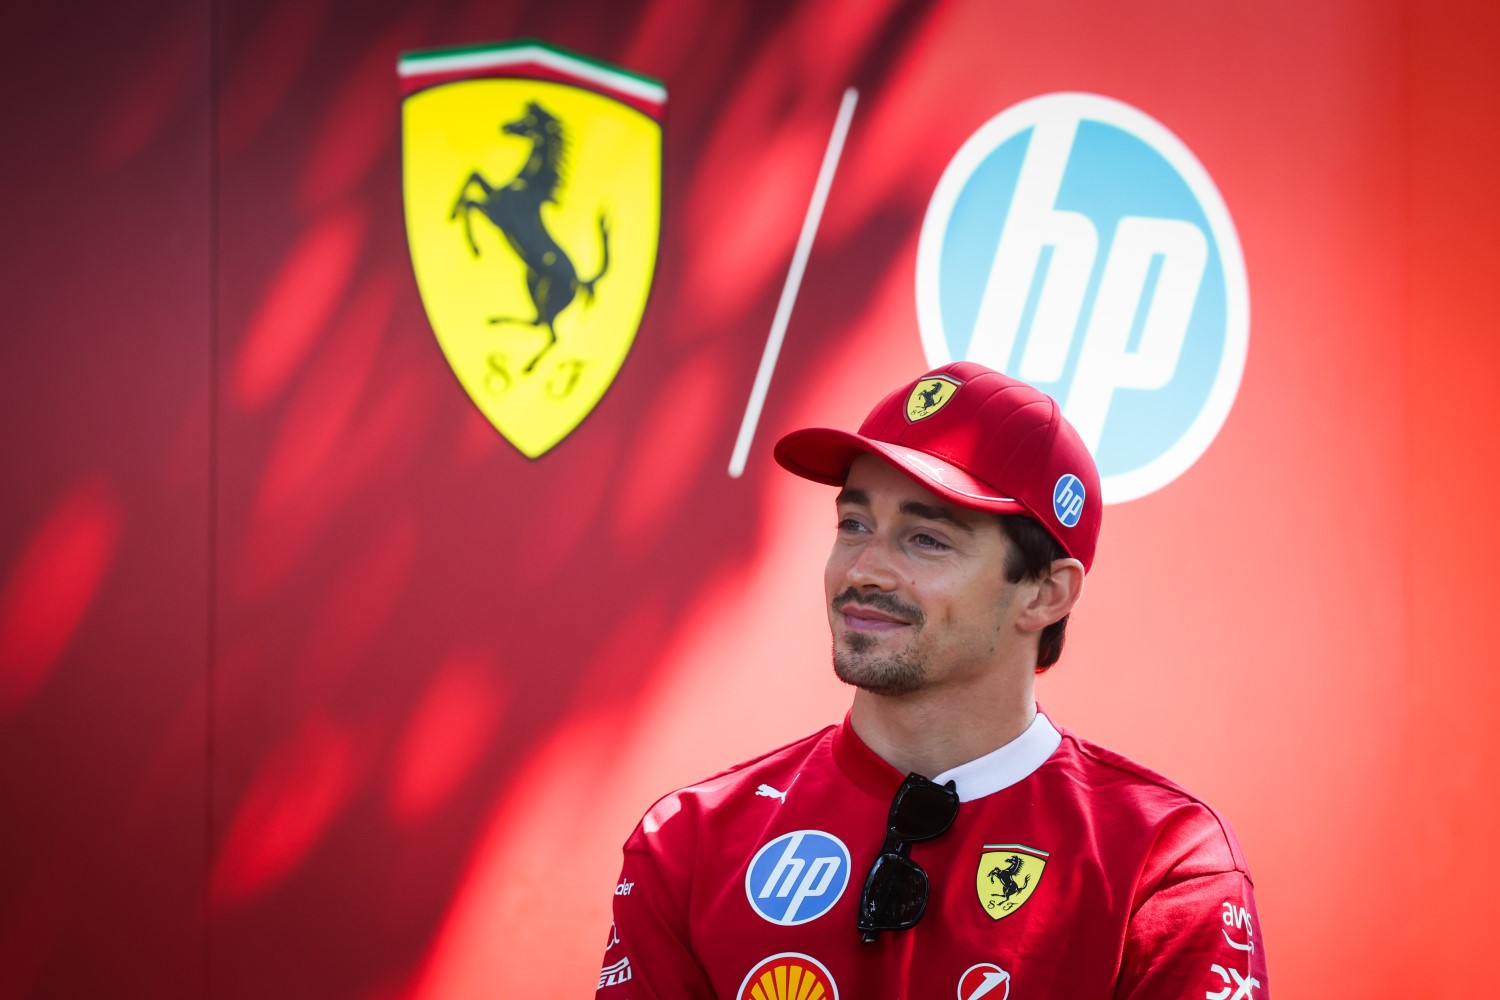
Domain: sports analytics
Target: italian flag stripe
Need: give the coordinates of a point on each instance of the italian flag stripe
(466, 61)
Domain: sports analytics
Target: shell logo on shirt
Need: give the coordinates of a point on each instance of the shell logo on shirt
(788, 976)
(1008, 875)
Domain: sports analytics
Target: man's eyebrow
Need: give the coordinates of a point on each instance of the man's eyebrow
(917, 508)
(853, 496)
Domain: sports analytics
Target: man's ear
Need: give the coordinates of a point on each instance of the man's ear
(1056, 593)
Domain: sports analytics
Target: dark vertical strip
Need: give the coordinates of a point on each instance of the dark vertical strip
(212, 647)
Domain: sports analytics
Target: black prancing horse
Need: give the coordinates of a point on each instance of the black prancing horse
(1007, 878)
(516, 210)
(929, 396)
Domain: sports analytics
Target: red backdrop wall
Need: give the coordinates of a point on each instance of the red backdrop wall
(312, 685)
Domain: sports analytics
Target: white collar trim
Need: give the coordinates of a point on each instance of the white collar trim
(1004, 767)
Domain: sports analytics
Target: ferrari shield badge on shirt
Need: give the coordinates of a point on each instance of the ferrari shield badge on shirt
(532, 188)
(1008, 875)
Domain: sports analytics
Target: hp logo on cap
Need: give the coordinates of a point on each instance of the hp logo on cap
(1067, 500)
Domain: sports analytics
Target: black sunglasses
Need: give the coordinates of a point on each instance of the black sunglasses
(895, 893)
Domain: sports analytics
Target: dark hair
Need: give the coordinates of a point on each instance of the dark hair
(1032, 553)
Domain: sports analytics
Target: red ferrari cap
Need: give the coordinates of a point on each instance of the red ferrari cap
(978, 438)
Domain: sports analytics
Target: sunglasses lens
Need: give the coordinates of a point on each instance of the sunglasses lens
(896, 889)
(923, 810)
(895, 895)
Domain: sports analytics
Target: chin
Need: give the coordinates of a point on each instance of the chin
(882, 675)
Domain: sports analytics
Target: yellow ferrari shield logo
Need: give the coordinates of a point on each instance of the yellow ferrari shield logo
(532, 186)
(928, 396)
(1008, 875)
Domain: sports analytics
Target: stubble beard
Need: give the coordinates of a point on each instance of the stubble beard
(857, 663)
(886, 675)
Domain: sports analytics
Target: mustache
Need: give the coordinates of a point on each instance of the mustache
(880, 602)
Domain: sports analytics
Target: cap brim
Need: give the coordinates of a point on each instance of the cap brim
(824, 455)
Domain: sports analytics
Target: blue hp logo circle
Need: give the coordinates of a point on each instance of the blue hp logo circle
(1067, 500)
(1076, 244)
(797, 877)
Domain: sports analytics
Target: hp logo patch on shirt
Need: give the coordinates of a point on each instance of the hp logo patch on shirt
(797, 877)
(1077, 244)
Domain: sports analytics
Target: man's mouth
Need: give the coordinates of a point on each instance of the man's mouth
(865, 620)
(875, 613)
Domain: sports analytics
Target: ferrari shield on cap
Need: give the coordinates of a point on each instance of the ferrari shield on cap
(978, 438)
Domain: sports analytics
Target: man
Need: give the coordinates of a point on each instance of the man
(946, 839)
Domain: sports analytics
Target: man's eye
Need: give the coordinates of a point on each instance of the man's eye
(926, 541)
(850, 524)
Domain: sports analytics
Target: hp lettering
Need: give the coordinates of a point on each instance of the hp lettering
(1076, 244)
(1067, 500)
(797, 877)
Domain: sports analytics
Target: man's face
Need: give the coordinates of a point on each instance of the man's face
(916, 588)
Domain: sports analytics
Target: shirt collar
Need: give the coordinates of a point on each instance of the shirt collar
(982, 776)
(1009, 764)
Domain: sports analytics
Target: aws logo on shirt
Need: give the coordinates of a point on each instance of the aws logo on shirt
(797, 877)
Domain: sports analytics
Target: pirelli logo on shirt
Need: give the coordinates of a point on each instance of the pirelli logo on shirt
(615, 974)
(1008, 875)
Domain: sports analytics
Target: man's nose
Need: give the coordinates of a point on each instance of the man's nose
(873, 567)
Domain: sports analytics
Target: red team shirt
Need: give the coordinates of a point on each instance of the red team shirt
(1070, 873)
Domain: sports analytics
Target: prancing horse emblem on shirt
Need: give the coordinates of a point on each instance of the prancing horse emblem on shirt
(1008, 875)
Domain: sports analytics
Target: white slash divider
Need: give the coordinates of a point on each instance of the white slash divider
(793, 283)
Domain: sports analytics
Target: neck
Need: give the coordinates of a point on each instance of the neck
(936, 729)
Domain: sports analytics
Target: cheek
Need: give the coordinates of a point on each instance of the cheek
(985, 609)
(833, 573)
